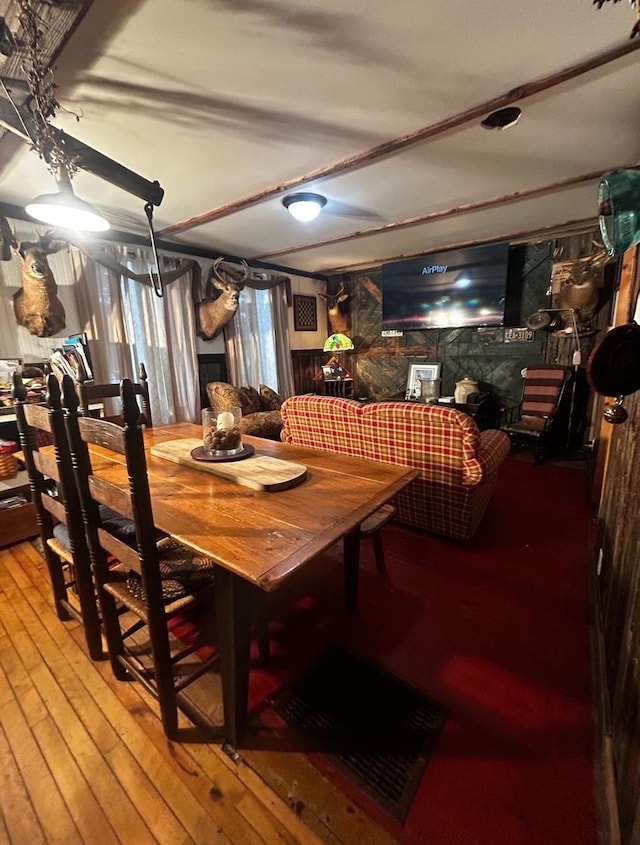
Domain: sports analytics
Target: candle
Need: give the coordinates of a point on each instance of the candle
(225, 420)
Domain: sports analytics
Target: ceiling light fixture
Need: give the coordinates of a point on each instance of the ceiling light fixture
(65, 210)
(64, 155)
(304, 206)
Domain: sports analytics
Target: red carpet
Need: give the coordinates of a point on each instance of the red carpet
(497, 632)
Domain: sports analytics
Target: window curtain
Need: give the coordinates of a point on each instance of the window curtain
(130, 325)
(280, 304)
(257, 341)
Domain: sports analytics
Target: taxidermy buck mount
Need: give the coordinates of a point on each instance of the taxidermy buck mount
(339, 317)
(582, 280)
(36, 304)
(216, 309)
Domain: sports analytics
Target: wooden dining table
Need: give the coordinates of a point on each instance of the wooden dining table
(259, 538)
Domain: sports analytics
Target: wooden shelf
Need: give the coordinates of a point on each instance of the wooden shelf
(17, 523)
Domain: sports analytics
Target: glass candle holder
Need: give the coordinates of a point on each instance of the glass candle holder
(221, 433)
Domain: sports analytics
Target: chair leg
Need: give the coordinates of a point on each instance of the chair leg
(378, 548)
(56, 576)
(163, 669)
(90, 617)
(113, 634)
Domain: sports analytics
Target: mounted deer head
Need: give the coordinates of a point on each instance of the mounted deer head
(215, 311)
(339, 317)
(36, 304)
(582, 282)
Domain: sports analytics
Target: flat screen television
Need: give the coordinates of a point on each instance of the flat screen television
(453, 289)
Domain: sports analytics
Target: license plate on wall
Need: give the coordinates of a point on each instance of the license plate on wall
(524, 334)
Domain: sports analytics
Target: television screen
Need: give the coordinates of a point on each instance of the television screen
(462, 287)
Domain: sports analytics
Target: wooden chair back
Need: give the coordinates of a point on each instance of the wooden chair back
(55, 497)
(90, 392)
(129, 576)
(542, 390)
(95, 490)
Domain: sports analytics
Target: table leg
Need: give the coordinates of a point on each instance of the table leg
(233, 614)
(351, 569)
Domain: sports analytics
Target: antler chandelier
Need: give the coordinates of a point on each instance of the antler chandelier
(634, 3)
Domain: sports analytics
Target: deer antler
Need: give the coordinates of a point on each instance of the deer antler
(7, 240)
(244, 275)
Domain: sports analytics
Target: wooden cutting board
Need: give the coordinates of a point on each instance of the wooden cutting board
(259, 472)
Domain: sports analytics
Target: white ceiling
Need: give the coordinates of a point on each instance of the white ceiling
(221, 99)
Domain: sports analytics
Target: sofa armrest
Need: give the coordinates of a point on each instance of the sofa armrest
(493, 448)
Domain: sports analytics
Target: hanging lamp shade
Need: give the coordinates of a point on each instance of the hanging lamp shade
(65, 210)
(337, 343)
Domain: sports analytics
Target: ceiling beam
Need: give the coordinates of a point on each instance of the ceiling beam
(388, 147)
(85, 157)
(15, 212)
(466, 208)
(555, 230)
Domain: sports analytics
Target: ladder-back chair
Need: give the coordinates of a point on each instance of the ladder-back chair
(156, 580)
(90, 392)
(534, 420)
(55, 497)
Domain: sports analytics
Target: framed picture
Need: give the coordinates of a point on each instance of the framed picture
(305, 315)
(418, 372)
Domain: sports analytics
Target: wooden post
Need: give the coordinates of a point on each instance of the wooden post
(625, 308)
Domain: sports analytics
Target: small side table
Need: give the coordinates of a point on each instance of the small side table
(481, 412)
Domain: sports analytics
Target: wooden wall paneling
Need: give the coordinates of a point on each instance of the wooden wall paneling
(618, 541)
(627, 297)
(536, 278)
(211, 367)
(307, 363)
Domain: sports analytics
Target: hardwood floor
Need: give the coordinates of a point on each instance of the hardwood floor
(84, 757)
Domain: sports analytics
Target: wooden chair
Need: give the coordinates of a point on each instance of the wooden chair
(89, 392)
(155, 580)
(535, 420)
(55, 496)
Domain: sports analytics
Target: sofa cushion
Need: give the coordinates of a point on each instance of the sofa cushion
(266, 424)
(269, 399)
(250, 399)
(224, 396)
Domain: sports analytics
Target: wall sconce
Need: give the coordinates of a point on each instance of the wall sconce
(304, 206)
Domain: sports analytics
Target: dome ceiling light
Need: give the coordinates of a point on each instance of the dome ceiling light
(304, 206)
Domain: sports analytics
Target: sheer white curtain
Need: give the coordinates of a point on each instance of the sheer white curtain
(128, 325)
(257, 341)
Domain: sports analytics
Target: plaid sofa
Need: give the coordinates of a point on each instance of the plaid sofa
(458, 464)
